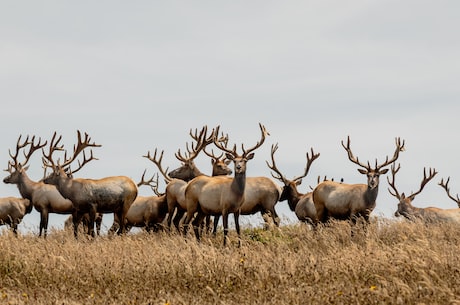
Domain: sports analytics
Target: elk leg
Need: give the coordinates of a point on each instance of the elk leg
(225, 224)
(115, 226)
(197, 221)
(44, 215)
(98, 224)
(92, 217)
(236, 216)
(76, 218)
(216, 222)
(121, 223)
(177, 218)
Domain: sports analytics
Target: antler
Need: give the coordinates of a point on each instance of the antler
(201, 142)
(353, 158)
(399, 147)
(308, 165)
(152, 183)
(33, 147)
(445, 186)
(280, 176)
(259, 143)
(273, 166)
(158, 163)
(77, 149)
(432, 173)
(394, 170)
(245, 152)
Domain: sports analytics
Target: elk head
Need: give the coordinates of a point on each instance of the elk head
(219, 164)
(290, 186)
(446, 187)
(240, 160)
(16, 168)
(63, 170)
(405, 207)
(373, 174)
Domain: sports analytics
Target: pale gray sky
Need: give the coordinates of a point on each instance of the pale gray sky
(138, 75)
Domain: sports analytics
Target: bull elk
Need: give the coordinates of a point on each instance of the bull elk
(107, 195)
(178, 178)
(429, 214)
(44, 197)
(220, 195)
(13, 210)
(301, 204)
(350, 201)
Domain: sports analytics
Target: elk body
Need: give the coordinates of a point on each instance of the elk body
(107, 195)
(350, 201)
(45, 198)
(220, 195)
(428, 214)
(301, 204)
(13, 210)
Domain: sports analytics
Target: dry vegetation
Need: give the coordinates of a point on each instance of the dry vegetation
(393, 263)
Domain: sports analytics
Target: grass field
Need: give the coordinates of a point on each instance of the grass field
(391, 263)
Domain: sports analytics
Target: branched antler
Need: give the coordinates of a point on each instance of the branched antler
(446, 187)
(157, 162)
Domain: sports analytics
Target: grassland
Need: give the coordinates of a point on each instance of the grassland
(391, 263)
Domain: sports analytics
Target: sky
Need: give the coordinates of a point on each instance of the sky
(139, 75)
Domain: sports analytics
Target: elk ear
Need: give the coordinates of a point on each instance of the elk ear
(298, 182)
(403, 196)
(229, 156)
(362, 171)
(250, 156)
(384, 171)
(228, 161)
(26, 168)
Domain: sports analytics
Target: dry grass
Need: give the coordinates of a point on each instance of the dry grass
(393, 263)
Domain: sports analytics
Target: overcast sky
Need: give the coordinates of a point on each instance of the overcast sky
(138, 75)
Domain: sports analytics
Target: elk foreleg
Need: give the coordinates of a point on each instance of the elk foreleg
(177, 218)
(76, 219)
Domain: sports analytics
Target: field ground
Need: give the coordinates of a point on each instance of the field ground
(390, 263)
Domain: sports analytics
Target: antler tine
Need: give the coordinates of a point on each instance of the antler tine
(143, 181)
(445, 186)
(273, 166)
(157, 162)
(399, 147)
(352, 157)
(394, 170)
(432, 173)
(309, 163)
(259, 143)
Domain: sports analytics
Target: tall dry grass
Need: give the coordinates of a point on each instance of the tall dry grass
(391, 263)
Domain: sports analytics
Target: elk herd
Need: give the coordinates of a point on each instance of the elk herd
(192, 198)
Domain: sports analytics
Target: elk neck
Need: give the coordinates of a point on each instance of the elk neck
(26, 186)
(292, 196)
(370, 195)
(239, 183)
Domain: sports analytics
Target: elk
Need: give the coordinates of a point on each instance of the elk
(13, 210)
(301, 204)
(44, 197)
(446, 187)
(177, 179)
(429, 214)
(146, 211)
(220, 195)
(107, 195)
(350, 201)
